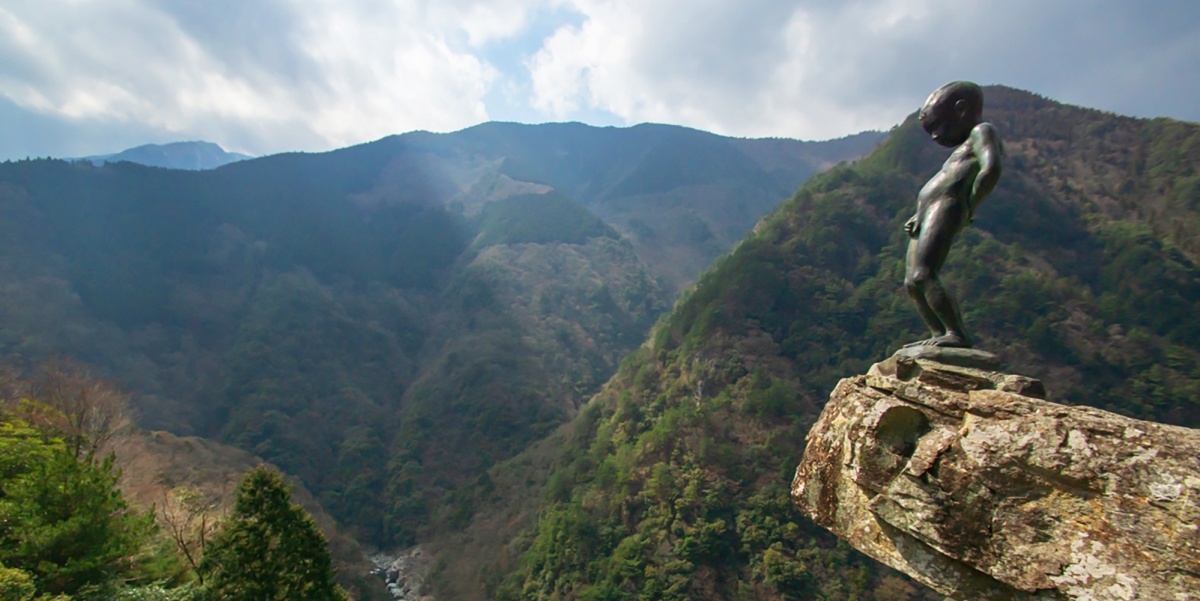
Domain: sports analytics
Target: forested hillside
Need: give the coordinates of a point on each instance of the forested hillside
(83, 518)
(388, 320)
(1082, 269)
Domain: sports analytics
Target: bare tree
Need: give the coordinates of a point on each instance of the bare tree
(190, 517)
(12, 385)
(86, 410)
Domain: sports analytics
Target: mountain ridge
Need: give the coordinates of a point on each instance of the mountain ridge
(195, 155)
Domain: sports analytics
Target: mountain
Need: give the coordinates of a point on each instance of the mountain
(384, 321)
(1082, 269)
(195, 156)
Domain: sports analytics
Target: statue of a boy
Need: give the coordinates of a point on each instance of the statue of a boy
(953, 116)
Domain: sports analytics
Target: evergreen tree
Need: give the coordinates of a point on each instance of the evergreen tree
(269, 549)
(16, 585)
(63, 521)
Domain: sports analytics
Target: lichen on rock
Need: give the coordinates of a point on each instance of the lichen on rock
(973, 484)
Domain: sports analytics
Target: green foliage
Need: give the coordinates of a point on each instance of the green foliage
(65, 529)
(539, 219)
(24, 449)
(16, 585)
(155, 592)
(669, 501)
(64, 521)
(685, 155)
(268, 548)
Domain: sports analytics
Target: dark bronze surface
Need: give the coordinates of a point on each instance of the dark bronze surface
(946, 204)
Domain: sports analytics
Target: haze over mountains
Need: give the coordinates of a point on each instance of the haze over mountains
(417, 327)
(176, 155)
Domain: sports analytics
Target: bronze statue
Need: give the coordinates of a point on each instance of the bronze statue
(953, 116)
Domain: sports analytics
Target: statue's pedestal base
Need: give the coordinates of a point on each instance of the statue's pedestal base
(959, 357)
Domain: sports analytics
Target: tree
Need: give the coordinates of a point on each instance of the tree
(190, 518)
(269, 549)
(63, 520)
(92, 410)
(16, 585)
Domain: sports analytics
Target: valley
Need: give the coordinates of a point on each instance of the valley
(384, 322)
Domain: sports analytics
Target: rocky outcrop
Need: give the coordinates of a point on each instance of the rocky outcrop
(968, 481)
(404, 573)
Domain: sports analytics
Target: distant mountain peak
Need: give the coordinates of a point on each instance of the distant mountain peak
(195, 155)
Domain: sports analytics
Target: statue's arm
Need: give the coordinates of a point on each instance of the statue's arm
(988, 149)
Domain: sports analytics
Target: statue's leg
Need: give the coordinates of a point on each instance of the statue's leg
(937, 234)
(916, 290)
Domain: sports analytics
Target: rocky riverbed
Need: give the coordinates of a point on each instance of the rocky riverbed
(404, 572)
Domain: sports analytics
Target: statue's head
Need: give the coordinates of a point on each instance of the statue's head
(952, 111)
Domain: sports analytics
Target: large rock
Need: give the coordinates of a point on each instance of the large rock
(969, 482)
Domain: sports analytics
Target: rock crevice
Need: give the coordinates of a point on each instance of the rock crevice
(973, 484)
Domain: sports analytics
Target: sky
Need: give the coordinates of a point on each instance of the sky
(81, 77)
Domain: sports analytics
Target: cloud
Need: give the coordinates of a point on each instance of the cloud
(275, 75)
(261, 76)
(823, 68)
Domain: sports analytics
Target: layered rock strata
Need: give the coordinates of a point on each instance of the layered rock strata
(967, 480)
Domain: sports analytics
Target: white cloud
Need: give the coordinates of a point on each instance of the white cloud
(825, 68)
(267, 76)
(484, 22)
(761, 67)
(382, 72)
(273, 75)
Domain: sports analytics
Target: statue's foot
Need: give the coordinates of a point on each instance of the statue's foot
(949, 339)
